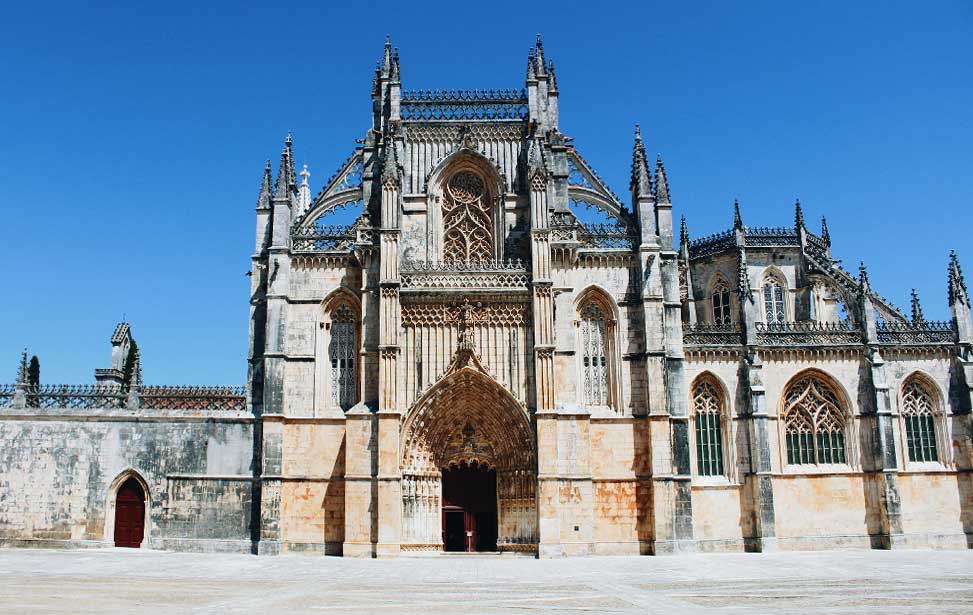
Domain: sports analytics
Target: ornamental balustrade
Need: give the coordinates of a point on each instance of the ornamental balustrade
(313, 238)
(909, 334)
(711, 335)
(596, 236)
(98, 396)
(712, 244)
(817, 244)
(454, 105)
(808, 333)
(770, 236)
(458, 275)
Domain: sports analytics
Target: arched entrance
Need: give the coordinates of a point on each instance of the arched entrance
(468, 466)
(469, 507)
(130, 514)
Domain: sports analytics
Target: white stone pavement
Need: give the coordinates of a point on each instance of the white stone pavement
(131, 581)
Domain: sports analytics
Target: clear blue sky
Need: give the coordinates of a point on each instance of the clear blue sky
(133, 136)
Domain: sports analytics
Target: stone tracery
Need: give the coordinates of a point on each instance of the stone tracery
(467, 220)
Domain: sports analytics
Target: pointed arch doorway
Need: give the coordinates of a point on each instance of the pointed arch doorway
(468, 467)
(130, 514)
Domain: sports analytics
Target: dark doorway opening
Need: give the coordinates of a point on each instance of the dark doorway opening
(130, 514)
(469, 508)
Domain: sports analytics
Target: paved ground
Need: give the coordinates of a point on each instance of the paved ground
(123, 580)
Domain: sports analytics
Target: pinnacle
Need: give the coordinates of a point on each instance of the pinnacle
(737, 218)
(798, 216)
(661, 183)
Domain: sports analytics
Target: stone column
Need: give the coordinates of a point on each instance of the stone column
(758, 482)
(880, 463)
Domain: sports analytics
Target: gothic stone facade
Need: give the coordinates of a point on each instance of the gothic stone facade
(497, 353)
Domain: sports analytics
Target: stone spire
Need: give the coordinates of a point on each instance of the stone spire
(535, 158)
(641, 182)
(284, 180)
(531, 66)
(917, 317)
(957, 285)
(551, 77)
(683, 234)
(865, 285)
(743, 278)
(304, 192)
(387, 57)
(798, 216)
(825, 235)
(266, 188)
(391, 170)
(541, 65)
(395, 74)
(737, 218)
(661, 184)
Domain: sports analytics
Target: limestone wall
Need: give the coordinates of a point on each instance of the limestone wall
(58, 470)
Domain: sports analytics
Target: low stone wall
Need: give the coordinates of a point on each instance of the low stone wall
(59, 470)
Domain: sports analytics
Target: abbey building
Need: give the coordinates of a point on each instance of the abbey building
(465, 341)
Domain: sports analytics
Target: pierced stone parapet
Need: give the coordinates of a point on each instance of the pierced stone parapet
(711, 335)
(232, 398)
(712, 244)
(7, 392)
(921, 334)
(808, 333)
(452, 105)
(330, 238)
(597, 236)
(457, 275)
(74, 396)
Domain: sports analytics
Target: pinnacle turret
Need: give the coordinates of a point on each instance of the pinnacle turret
(391, 170)
(825, 235)
(641, 181)
(535, 157)
(661, 183)
(541, 67)
(395, 73)
(863, 282)
(304, 191)
(743, 278)
(957, 285)
(798, 216)
(917, 317)
(266, 188)
(737, 218)
(531, 65)
(551, 77)
(286, 177)
(683, 234)
(387, 57)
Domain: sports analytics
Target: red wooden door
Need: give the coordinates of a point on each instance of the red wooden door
(130, 514)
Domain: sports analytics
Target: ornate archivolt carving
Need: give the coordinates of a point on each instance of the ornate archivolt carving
(468, 234)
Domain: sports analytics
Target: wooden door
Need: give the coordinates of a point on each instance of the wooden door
(130, 514)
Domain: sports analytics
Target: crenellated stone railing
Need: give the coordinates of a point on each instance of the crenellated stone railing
(99, 396)
(808, 333)
(459, 276)
(711, 335)
(927, 333)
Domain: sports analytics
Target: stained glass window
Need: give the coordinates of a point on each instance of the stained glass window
(708, 416)
(814, 423)
(920, 422)
(342, 352)
(594, 355)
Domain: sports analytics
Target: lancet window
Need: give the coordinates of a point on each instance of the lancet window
(708, 416)
(721, 304)
(814, 423)
(594, 355)
(919, 413)
(468, 234)
(774, 301)
(342, 354)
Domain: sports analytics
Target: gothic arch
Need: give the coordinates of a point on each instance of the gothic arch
(711, 440)
(812, 402)
(465, 160)
(717, 281)
(601, 341)
(920, 400)
(112, 497)
(467, 416)
(772, 276)
(337, 353)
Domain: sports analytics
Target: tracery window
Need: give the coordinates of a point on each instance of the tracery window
(774, 301)
(708, 417)
(721, 304)
(918, 410)
(467, 220)
(814, 423)
(594, 355)
(342, 352)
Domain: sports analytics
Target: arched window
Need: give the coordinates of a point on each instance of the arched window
(774, 300)
(594, 355)
(919, 413)
(814, 423)
(467, 220)
(708, 417)
(721, 304)
(342, 352)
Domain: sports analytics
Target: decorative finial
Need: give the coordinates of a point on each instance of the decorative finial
(825, 235)
(737, 218)
(863, 278)
(304, 175)
(661, 183)
(283, 174)
(390, 169)
(683, 233)
(551, 77)
(917, 317)
(641, 180)
(395, 65)
(266, 188)
(957, 285)
(798, 216)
